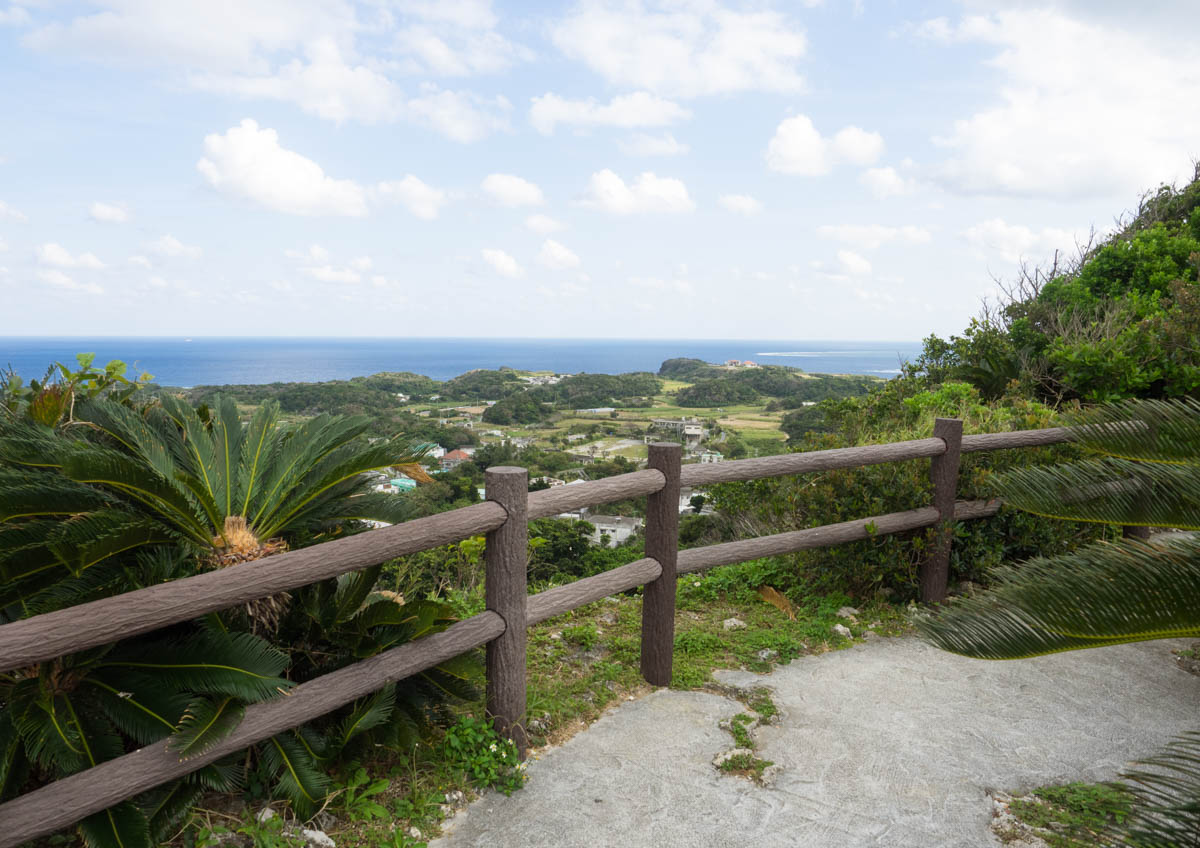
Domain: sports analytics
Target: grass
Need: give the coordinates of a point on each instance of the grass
(746, 765)
(1074, 815)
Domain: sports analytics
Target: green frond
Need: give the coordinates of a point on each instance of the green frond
(122, 826)
(258, 451)
(352, 590)
(14, 765)
(1108, 491)
(1104, 594)
(1146, 430)
(453, 687)
(298, 777)
(1166, 790)
(204, 724)
(28, 494)
(165, 807)
(238, 665)
(52, 737)
(140, 706)
(367, 714)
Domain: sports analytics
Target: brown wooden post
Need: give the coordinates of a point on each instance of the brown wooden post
(935, 571)
(506, 558)
(662, 544)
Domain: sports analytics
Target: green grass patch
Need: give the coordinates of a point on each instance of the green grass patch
(1074, 815)
(745, 765)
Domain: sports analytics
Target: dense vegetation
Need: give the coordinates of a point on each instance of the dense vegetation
(1122, 320)
(787, 387)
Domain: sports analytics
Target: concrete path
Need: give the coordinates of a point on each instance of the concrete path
(890, 743)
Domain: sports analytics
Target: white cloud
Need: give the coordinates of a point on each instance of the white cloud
(627, 111)
(1082, 107)
(556, 256)
(315, 254)
(140, 261)
(740, 204)
(502, 263)
(250, 163)
(544, 224)
(14, 16)
(60, 257)
(648, 193)
(852, 263)
(329, 274)
(799, 148)
(170, 246)
(457, 52)
(1014, 242)
(871, 236)
(59, 280)
(108, 213)
(361, 263)
(684, 49)
(642, 144)
(11, 214)
(886, 182)
(420, 199)
(324, 85)
(459, 115)
(3, 245)
(511, 190)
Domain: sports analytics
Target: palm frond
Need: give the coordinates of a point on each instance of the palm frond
(122, 826)
(204, 724)
(298, 777)
(1166, 791)
(166, 806)
(1108, 491)
(1104, 594)
(352, 590)
(238, 665)
(367, 714)
(138, 705)
(1146, 430)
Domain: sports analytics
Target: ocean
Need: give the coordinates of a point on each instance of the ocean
(215, 361)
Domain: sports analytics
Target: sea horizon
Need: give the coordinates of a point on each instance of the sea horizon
(226, 360)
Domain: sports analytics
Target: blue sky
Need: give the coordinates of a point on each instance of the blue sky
(685, 168)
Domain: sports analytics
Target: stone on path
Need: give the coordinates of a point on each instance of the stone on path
(889, 743)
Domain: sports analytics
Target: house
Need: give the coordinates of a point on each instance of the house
(678, 426)
(552, 482)
(577, 437)
(599, 410)
(711, 456)
(400, 396)
(617, 528)
(454, 459)
(432, 450)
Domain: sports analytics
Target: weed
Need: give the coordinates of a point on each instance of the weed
(760, 701)
(358, 801)
(583, 636)
(1074, 815)
(745, 765)
(740, 732)
(491, 762)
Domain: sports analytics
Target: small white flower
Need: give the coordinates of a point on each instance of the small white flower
(492, 747)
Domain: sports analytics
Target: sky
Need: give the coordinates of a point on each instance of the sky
(813, 169)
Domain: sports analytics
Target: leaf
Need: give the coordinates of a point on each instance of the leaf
(122, 826)
(166, 806)
(298, 777)
(367, 714)
(776, 599)
(414, 470)
(204, 725)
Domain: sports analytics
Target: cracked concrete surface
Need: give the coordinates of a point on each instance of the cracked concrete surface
(890, 743)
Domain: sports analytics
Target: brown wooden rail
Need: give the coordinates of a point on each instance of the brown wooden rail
(510, 611)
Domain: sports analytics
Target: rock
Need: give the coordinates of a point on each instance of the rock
(609, 617)
(766, 654)
(875, 624)
(870, 634)
(317, 838)
(556, 634)
(843, 631)
(265, 814)
(456, 797)
(536, 725)
(733, 624)
(770, 775)
(414, 833)
(847, 612)
(720, 759)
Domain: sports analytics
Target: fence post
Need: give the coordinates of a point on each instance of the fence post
(506, 557)
(662, 544)
(935, 571)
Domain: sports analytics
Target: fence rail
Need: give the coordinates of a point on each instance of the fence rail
(510, 610)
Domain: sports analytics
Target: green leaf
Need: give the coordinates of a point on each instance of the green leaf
(204, 724)
(122, 826)
(298, 776)
(367, 714)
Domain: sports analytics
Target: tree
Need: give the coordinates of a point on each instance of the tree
(1146, 473)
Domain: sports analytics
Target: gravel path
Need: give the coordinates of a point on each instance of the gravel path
(890, 743)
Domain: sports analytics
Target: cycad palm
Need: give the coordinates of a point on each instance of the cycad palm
(1146, 473)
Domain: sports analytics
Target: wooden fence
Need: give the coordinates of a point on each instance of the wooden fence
(504, 517)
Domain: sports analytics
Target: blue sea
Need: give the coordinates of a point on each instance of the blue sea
(214, 361)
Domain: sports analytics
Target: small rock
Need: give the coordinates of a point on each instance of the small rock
(265, 814)
(612, 600)
(317, 838)
(733, 624)
(769, 775)
(609, 617)
(456, 797)
(536, 725)
(720, 759)
(414, 833)
(875, 624)
(870, 634)
(766, 654)
(556, 634)
(847, 612)
(843, 631)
